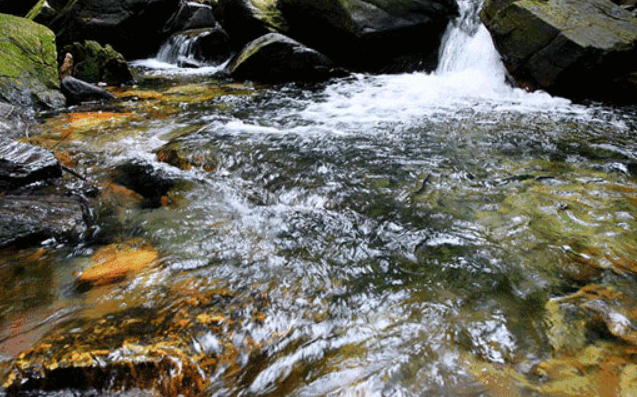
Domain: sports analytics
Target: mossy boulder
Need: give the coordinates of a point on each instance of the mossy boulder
(28, 64)
(246, 20)
(95, 63)
(277, 58)
(575, 48)
(374, 35)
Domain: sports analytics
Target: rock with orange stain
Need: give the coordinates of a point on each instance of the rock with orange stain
(115, 262)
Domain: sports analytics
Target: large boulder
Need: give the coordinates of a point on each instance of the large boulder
(133, 27)
(28, 65)
(246, 20)
(191, 15)
(277, 58)
(94, 63)
(374, 35)
(575, 48)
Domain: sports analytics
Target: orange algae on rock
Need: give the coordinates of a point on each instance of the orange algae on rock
(116, 261)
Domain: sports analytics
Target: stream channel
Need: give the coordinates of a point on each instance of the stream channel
(422, 234)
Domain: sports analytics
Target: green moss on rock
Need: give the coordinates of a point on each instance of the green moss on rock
(28, 64)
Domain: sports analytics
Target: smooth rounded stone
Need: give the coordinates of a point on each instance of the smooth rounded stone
(187, 154)
(575, 48)
(94, 63)
(32, 217)
(372, 35)
(78, 91)
(191, 15)
(144, 179)
(132, 27)
(246, 20)
(197, 47)
(277, 58)
(22, 164)
(28, 65)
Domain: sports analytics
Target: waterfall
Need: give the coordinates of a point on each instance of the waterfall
(467, 50)
(180, 50)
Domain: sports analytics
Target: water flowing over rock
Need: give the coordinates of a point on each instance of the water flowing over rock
(275, 57)
(132, 27)
(197, 47)
(374, 35)
(94, 63)
(576, 48)
(28, 65)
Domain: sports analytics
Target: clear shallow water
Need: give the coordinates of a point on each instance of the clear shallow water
(412, 234)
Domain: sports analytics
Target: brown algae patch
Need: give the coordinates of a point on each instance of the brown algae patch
(171, 346)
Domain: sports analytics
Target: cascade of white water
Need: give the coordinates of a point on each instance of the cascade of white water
(179, 50)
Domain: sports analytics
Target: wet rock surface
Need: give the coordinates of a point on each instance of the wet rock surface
(28, 65)
(22, 164)
(32, 216)
(246, 20)
(579, 49)
(276, 58)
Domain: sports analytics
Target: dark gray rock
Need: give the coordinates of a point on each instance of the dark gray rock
(246, 20)
(32, 217)
(575, 48)
(372, 35)
(22, 164)
(277, 58)
(78, 91)
(190, 16)
(144, 179)
(132, 27)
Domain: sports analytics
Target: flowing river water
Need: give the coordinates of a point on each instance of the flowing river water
(438, 234)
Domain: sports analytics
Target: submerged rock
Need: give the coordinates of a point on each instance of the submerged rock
(28, 65)
(172, 347)
(78, 91)
(94, 63)
(372, 35)
(22, 164)
(132, 27)
(116, 262)
(188, 154)
(576, 48)
(144, 179)
(277, 58)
